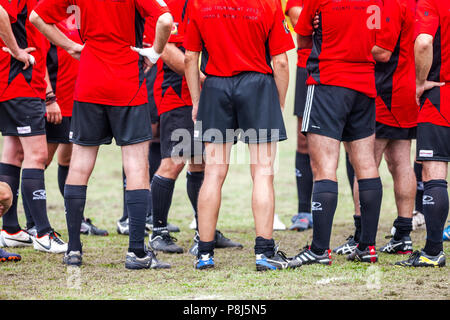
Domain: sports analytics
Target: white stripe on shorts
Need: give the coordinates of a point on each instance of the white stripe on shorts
(307, 112)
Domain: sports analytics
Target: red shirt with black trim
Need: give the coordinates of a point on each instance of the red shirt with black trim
(237, 35)
(63, 68)
(433, 18)
(342, 45)
(110, 73)
(396, 79)
(14, 81)
(170, 90)
(302, 54)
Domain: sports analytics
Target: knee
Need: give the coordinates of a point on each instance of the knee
(216, 176)
(170, 169)
(64, 159)
(302, 144)
(38, 156)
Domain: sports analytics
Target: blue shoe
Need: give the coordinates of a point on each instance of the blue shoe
(446, 236)
(6, 256)
(206, 261)
(302, 221)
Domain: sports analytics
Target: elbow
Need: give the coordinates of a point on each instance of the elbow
(34, 18)
(423, 43)
(281, 62)
(190, 57)
(165, 21)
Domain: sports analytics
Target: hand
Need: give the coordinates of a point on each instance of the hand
(147, 64)
(202, 79)
(425, 86)
(75, 51)
(150, 57)
(194, 112)
(6, 197)
(54, 113)
(23, 55)
(316, 21)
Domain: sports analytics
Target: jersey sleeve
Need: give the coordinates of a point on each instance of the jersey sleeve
(280, 38)
(193, 38)
(53, 11)
(391, 25)
(151, 8)
(304, 25)
(427, 17)
(177, 34)
(291, 4)
(10, 8)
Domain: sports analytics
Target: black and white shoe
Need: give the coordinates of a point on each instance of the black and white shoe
(306, 256)
(194, 248)
(149, 225)
(368, 255)
(148, 262)
(278, 261)
(88, 228)
(348, 247)
(164, 242)
(421, 259)
(223, 242)
(402, 246)
(123, 228)
(73, 258)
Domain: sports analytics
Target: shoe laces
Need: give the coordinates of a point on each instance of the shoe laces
(56, 237)
(168, 238)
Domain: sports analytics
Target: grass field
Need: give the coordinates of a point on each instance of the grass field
(103, 276)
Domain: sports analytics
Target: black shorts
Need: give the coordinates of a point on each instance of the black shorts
(300, 92)
(58, 133)
(339, 113)
(151, 77)
(383, 131)
(96, 124)
(433, 142)
(177, 134)
(245, 107)
(22, 117)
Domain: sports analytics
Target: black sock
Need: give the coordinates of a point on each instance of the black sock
(11, 175)
(324, 203)
(137, 203)
(403, 227)
(370, 196)
(350, 171)
(206, 248)
(63, 171)
(193, 185)
(26, 209)
(154, 158)
(304, 176)
(435, 207)
(74, 201)
(265, 246)
(33, 191)
(124, 189)
(419, 194)
(162, 192)
(357, 220)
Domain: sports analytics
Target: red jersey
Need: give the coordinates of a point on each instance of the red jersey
(14, 81)
(63, 69)
(170, 90)
(342, 46)
(433, 18)
(237, 35)
(303, 54)
(110, 73)
(396, 79)
(10, 7)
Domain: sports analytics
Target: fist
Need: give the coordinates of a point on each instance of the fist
(6, 198)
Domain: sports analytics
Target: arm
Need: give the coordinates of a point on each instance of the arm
(294, 14)
(192, 74)
(423, 51)
(281, 75)
(174, 58)
(55, 36)
(8, 38)
(53, 111)
(380, 54)
(5, 198)
(305, 42)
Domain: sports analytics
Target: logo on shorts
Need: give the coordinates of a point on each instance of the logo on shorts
(427, 200)
(426, 153)
(39, 195)
(316, 206)
(23, 130)
(71, 135)
(196, 133)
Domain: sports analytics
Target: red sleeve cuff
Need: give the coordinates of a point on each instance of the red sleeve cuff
(385, 45)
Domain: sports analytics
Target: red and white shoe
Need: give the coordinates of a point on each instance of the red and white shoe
(18, 239)
(50, 242)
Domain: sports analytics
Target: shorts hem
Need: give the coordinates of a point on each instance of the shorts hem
(32, 134)
(91, 143)
(439, 159)
(136, 141)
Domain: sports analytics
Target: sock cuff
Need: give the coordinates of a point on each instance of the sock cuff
(206, 247)
(195, 176)
(163, 182)
(325, 186)
(137, 196)
(32, 174)
(370, 184)
(9, 170)
(435, 184)
(75, 192)
(63, 167)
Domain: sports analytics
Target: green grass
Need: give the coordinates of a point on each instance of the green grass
(103, 276)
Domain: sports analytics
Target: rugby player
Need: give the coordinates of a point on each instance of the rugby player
(303, 219)
(341, 107)
(110, 102)
(433, 129)
(22, 109)
(241, 94)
